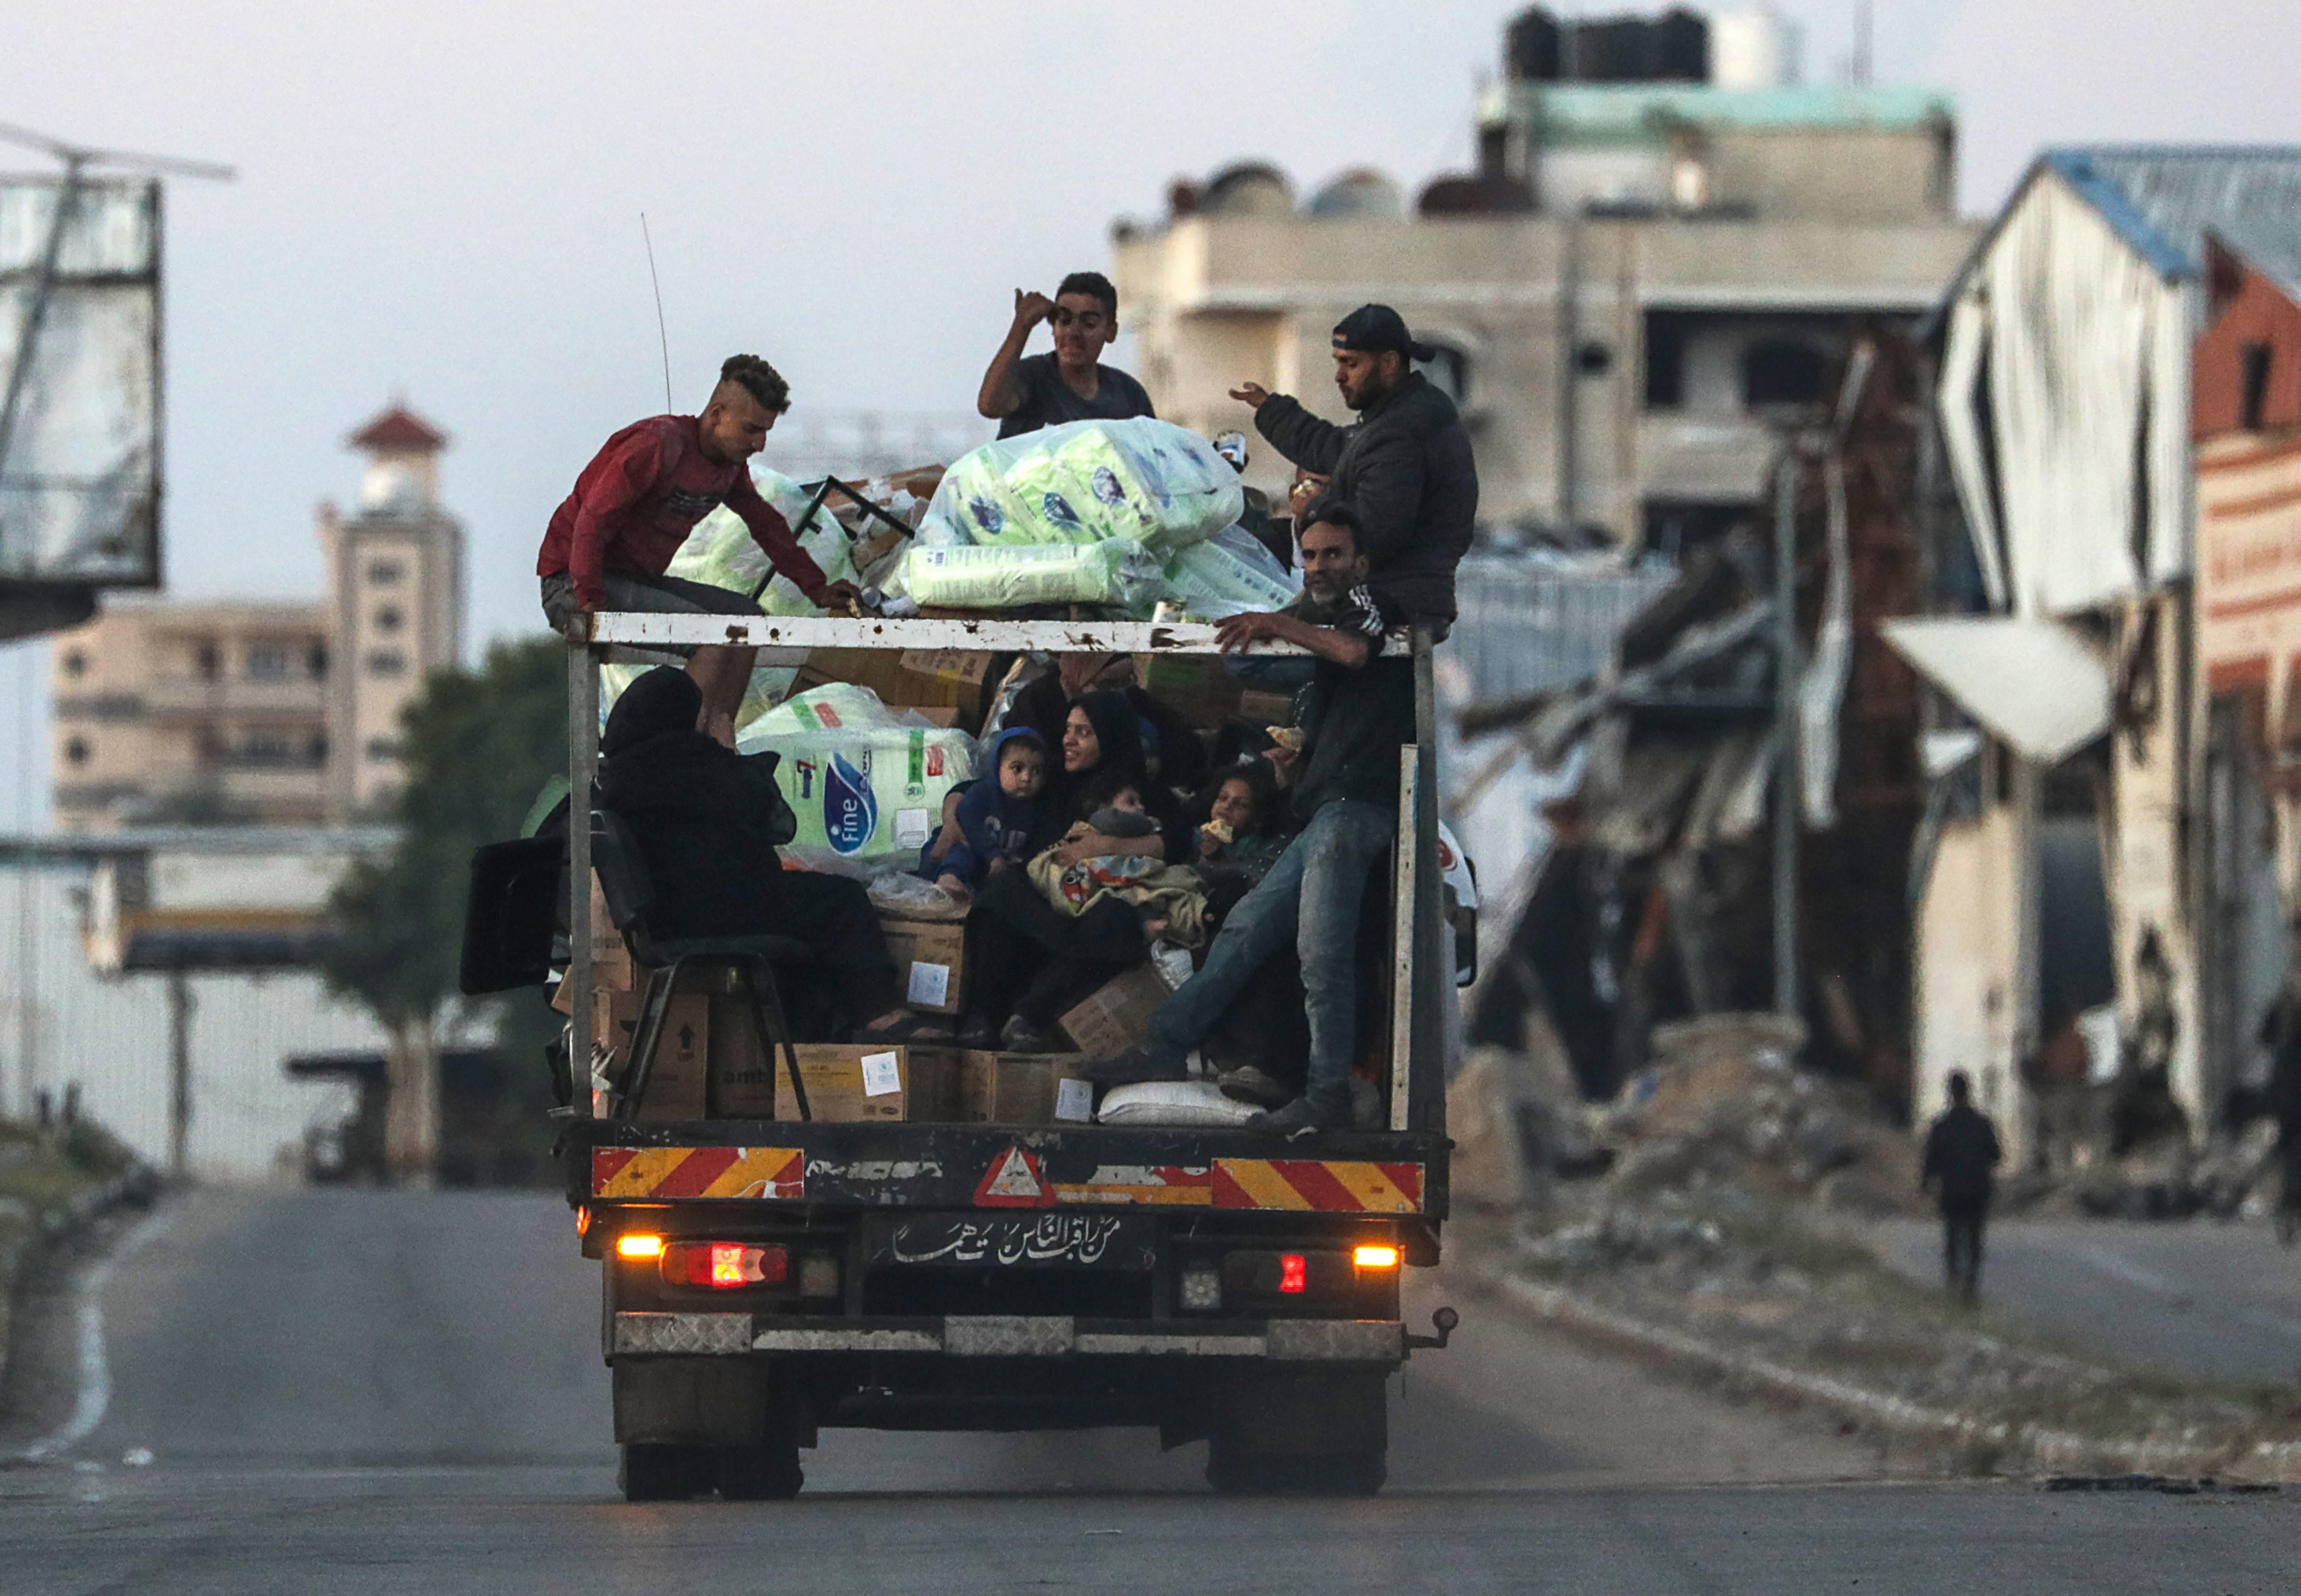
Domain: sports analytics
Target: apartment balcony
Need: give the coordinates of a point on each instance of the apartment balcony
(174, 696)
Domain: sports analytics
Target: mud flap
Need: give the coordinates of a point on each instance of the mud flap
(691, 1402)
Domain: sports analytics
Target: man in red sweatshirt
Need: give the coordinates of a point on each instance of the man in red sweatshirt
(609, 543)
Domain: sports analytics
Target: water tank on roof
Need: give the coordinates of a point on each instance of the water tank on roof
(1753, 46)
(1362, 192)
(1250, 189)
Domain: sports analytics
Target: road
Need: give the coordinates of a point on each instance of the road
(2218, 1300)
(363, 1392)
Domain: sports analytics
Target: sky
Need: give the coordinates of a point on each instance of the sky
(439, 199)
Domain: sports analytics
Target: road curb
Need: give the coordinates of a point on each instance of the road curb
(2016, 1449)
(139, 1183)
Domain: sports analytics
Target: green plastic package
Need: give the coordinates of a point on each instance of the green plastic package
(999, 577)
(867, 785)
(1147, 480)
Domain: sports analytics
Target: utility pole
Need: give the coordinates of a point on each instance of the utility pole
(1785, 729)
(1570, 354)
(181, 1006)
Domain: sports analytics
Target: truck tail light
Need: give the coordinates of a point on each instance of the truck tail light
(722, 1264)
(639, 1247)
(1293, 1273)
(1376, 1258)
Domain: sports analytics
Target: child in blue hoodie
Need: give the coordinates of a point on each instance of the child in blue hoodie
(998, 818)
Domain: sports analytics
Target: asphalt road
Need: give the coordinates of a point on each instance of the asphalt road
(355, 1392)
(2202, 1298)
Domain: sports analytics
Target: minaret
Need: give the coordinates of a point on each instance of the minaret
(395, 587)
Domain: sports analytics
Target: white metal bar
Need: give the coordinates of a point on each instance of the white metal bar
(832, 631)
(1401, 942)
(582, 769)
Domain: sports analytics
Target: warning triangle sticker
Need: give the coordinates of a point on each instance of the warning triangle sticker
(1014, 1181)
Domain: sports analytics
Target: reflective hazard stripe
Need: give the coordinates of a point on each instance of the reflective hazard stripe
(1161, 1185)
(1317, 1185)
(777, 1173)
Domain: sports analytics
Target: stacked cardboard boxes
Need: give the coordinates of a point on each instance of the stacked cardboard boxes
(1023, 1089)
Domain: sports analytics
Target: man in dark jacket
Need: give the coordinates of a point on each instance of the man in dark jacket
(1404, 466)
(1960, 1151)
(707, 821)
(1356, 713)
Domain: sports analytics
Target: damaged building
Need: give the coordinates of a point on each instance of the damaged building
(1658, 897)
(2109, 422)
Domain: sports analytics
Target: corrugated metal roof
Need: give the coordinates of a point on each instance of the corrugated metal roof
(2270, 245)
(2161, 198)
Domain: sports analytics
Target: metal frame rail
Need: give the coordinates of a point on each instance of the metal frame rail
(601, 639)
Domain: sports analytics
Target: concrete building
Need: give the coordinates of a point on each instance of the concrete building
(1639, 272)
(2101, 785)
(285, 713)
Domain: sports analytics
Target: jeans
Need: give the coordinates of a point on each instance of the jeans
(1311, 895)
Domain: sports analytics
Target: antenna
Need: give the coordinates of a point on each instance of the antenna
(659, 332)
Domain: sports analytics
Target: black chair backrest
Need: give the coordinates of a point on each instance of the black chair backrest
(624, 878)
(511, 912)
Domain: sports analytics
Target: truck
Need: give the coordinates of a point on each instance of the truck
(763, 1280)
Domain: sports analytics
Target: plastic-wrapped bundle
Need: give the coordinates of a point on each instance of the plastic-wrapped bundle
(1229, 574)
(867, 787)
(720, 550)
(765, 688)
(1087, 481)
(997, 577)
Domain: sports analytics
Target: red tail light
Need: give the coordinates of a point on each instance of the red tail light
(1293, 1273)
(725, 1264)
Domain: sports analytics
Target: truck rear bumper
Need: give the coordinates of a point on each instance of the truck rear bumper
(985, 1335)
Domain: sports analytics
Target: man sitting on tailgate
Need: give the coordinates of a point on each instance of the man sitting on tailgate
(1343, 781)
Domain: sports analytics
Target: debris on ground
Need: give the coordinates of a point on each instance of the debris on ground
(1723, 1200)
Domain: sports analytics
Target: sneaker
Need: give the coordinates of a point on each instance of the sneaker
(1369, 1112)
(1299, 1118)
(1137, 1063)
(1249, 1084)
(1021, 1036)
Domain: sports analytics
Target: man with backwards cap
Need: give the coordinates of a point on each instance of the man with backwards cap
(1405, 465)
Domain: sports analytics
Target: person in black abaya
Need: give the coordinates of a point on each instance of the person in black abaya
(707, 821)
(1028, 962)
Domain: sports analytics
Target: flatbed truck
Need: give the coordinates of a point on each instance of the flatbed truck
(766, 1280)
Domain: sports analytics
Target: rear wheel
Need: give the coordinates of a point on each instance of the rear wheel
(655, 1473)
(1300, 1432)
(760, 1473)
(1231, 1473)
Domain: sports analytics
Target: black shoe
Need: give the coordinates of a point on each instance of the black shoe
(1299, 1118)
(1137, 1063)
(1021, 1036)
(1248, 1085)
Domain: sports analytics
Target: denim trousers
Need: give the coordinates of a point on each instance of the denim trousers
(1312, 896)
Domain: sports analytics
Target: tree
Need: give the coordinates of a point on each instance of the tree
(479, 747)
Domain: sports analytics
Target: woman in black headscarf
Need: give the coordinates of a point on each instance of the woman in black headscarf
(707, 821)
(1028, 963)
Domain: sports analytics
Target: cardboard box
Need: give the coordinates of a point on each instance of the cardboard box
(1023, 1089)
(743, 1071)
(930, 961)
(960, 679)
(1195, 685)
(1117, 1014)
(845, 1083)
(1266, 709)
(676, 1083)
(933, 1089)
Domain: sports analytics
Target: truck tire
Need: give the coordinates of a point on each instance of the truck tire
(1280, 1432)
(652, 1472)
(1231, 1473)
(760, 1473)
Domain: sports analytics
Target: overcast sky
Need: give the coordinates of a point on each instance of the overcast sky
(440, 197)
